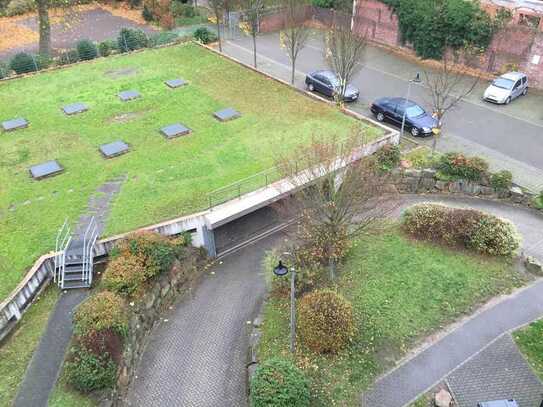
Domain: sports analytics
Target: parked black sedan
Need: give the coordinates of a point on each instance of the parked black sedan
(417, 121)
(326, 82)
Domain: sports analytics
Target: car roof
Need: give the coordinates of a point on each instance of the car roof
(326, 73)
(514, 76)
(397, 101)
(498, 403)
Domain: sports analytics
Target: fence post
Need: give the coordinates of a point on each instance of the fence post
(239, 190)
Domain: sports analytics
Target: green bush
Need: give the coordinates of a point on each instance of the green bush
(86, 50)
(130, 39)
(125, 274)
(324, 3)
(204, 35)
(494, 236)
(163, 38)
(183, 10)
(102, 311)
(87, 372)
(326, 322)
(469, 228)
(388, 157)
(4, 70)
(105, 48)
(147, 14)
(18, 7)
(68, 57)
(458, 166)
(501, 180)
(24, 63)
(278, 383)
(431, 26)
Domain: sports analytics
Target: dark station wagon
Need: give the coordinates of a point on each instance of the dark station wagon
(326, 83)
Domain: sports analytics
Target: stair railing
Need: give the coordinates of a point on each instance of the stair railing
(62, 241)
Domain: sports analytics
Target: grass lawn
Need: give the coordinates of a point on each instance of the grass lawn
(63, 396)
(530, 343)
(165, 178)
(401, 291)
(16, 352)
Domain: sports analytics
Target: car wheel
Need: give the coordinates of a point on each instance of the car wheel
(508, 100)
(311, 87)
(414, 131)
(380, 116)
(525, 91)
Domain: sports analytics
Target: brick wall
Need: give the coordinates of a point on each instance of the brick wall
(515, 47)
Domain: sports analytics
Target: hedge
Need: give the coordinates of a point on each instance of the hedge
(87, 372)
(469, 228)
(102, 311)
(459, 166)
(278, 383)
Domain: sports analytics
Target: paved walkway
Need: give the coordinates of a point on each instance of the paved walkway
(416, 376)
(197, 356)
(44, 368)
(499, 372)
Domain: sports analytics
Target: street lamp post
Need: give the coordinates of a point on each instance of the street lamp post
(281, 270)
(416, 79)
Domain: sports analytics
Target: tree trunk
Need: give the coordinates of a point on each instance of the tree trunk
(219, 33)
(332, 267)
(293, 77)
(254, 47)
(45, 27)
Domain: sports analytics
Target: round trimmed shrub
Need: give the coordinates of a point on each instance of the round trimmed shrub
(278, 383)
(87, 372)
(130, 40)
(102, 311)
(24, 63)
(4, 70)
(495, 236)
(204, 35)
(68, 57)
(457, 165)
(501, 180)
(105, 48)
(86, 50)
(325, 321)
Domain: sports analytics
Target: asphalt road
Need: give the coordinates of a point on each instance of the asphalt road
(510, 137)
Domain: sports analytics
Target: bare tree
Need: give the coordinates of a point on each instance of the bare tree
(344, 53)
(252, 15)
(295, 33)
(447, 85)
(218, 8)
(346, 195)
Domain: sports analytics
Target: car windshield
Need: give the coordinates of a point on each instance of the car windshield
(414, 111)
(503, 83)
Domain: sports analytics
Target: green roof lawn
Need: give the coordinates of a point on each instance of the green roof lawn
(165, 178)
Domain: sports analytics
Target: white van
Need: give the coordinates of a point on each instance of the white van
(507, 87)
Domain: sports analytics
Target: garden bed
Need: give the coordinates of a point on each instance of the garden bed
(401, 291)
(166, 178)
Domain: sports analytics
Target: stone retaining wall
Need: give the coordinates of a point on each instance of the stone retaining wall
(426, 181)
(166, 290)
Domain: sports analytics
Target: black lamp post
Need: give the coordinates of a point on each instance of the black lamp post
(416, 79)
(281, 270)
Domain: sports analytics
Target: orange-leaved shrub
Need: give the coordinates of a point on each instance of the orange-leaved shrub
(102, 311)
(325, 321)
(140, 257)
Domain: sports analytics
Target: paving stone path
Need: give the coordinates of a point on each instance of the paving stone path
(44, 368)
(197, 357)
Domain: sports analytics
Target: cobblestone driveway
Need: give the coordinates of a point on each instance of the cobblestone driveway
(197, 357)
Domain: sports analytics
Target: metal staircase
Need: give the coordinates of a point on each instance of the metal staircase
(74, 256)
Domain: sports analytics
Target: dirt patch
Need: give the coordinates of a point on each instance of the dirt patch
(125, 117)
(124, 11)
(121, 72)
(14, 35)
